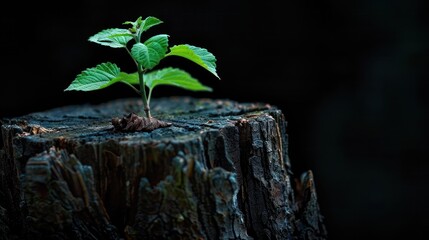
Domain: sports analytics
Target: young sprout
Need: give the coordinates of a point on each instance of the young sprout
(146, 54)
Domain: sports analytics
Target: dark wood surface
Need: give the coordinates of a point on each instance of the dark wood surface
(220, 171)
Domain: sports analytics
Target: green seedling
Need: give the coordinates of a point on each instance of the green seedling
(146, 56)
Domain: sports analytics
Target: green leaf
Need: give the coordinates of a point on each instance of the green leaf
(132, 78)
(128, 22)
(121, 35)
(134, 24)
(173, 77)
(113, 37)
(150, 53)
(139, 26)
(95, 78)
(148, 23)
(197, 55)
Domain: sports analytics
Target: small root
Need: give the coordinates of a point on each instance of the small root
(134, 123)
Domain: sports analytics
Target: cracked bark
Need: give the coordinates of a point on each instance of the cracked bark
(220, 171)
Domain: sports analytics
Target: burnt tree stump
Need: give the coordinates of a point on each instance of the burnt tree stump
(220, 171)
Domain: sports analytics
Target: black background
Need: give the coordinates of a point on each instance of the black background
(350, 76)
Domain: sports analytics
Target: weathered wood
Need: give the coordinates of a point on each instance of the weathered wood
(221, 171)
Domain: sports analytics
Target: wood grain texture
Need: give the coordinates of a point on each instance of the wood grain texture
(220, 171)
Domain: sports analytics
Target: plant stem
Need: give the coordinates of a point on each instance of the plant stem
(143, 91)
(135, 89)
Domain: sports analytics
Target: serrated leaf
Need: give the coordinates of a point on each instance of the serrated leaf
(140, 53)
(197, 55)
(134, 24)
(113, 37)
(95, 78)
(139, 26)
(148, 23)
(173, 77)
(150, 53)
(131, 78)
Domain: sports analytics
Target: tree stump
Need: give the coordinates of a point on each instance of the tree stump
(220, 171)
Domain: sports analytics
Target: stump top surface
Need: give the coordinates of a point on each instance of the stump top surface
(92, 122)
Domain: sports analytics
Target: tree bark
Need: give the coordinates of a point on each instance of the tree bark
(220, 171)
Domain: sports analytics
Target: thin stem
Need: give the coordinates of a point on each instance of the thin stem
(149, 96)
(129, 52)
(143, 91)
(134, 88)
